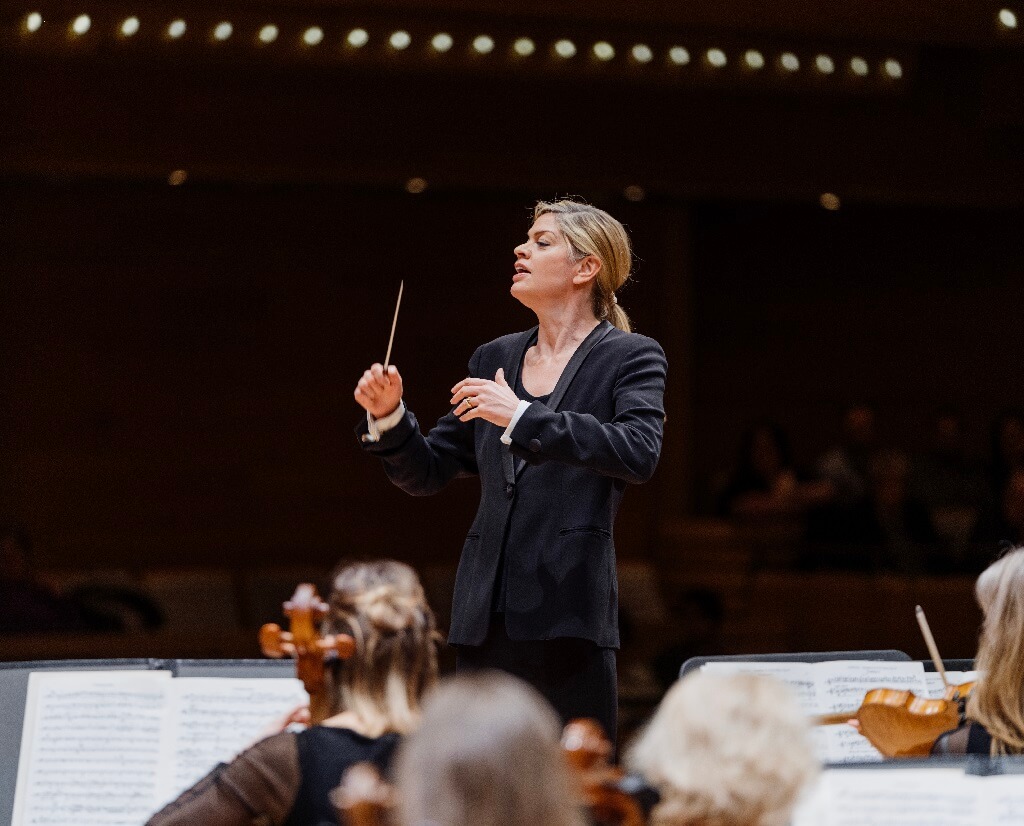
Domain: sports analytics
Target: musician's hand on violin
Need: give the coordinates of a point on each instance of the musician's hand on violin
(493, 401)
(855, 723)
(378, 392)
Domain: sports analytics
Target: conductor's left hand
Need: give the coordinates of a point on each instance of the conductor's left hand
(493, 401)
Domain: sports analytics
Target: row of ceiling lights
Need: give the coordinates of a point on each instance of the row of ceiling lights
(484, 44)
(633, 192)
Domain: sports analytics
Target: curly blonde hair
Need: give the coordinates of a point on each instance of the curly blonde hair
(726, 751)
(382, 605)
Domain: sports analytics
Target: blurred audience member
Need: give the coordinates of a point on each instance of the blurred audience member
(288, 778)
(486, 754)
(764, 483)
(951, 487)
(847, 466)
(734, 751)
(1007, 449)
(27, 605)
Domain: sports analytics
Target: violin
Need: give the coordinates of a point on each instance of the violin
(606, 789)
(900, 724)
(311, 649)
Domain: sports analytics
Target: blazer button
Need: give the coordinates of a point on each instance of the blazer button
(535, 445)
(510, 490)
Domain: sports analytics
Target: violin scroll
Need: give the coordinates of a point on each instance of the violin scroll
(305, 611)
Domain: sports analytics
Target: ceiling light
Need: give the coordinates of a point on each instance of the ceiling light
(634, 193)
(830, 201)
(415, 186)
(679, 55)
(223, 31)
(177, 177)
(483, 44)
(565, 48)
(400, 40)
(893, 68)
(825, 64)
(604, 50)
(268, 34)
(130, 26)
(789, 61)
(442, 42)
(33, 21)
(81, 24)
(642, 53)
(524, 47)
(1008, 19)
(357, 38)
(716, 57)
(313, 36)
(754, 59)
(176, 29)
(859, 66)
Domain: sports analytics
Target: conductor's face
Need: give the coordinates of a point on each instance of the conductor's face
(545, 272)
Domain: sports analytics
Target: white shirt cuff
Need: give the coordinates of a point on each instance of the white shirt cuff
(377, 426)
(506, 437)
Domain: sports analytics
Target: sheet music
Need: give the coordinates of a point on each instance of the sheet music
(936, 688)
(1002, 800)
(798, 676)
(844, 744)
(896, 797)
(212, 719)
(90, 748)
(832, 686)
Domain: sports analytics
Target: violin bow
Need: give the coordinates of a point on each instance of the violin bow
(929, 640)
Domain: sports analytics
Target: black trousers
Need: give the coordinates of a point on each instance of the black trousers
(576, 676)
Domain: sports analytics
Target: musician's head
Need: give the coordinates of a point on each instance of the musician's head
(487, 752)
(574, 251)
(997, 701)
(382, 605)
(729, 751)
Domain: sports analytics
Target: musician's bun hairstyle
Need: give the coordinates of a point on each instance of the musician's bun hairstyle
(997, 701)
(726, 751)
(382, 605)
(487, 753)
(592, 231)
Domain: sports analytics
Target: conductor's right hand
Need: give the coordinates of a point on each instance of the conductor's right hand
(378, 392)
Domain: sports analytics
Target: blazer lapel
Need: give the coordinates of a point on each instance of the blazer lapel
(512, 367)
(569, 372)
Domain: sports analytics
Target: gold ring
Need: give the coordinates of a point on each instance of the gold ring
(469, 403)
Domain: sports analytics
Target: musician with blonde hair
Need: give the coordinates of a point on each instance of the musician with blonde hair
(995, 707)
(287, 778)
(726, 751)
(555, 421)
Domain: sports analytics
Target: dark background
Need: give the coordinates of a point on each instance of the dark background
(177, 362)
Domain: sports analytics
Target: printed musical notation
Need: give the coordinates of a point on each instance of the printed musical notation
(913, 797)
(109, 748)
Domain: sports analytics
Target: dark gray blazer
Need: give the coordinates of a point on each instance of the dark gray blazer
(553, 512)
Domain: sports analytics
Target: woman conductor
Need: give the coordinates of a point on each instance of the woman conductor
(555, 421)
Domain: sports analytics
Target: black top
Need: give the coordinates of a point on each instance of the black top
(501, 582)
(325, 753)
(970, 738)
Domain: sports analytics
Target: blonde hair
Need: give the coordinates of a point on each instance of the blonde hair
(997, 701)
(726, 751)
(382, 605)
(487, 754)
(592, 231)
